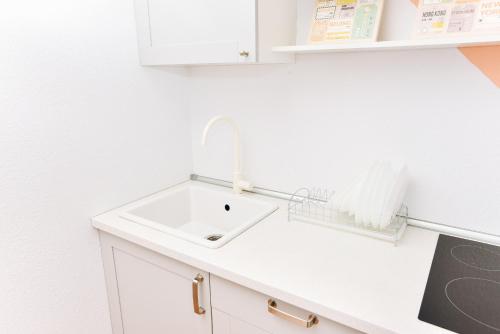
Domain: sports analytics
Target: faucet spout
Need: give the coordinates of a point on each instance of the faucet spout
(238, 184)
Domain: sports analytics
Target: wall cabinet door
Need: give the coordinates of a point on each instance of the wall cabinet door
(196, 31)
(153, 294)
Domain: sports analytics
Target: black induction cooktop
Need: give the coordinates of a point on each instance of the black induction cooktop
(463, 289)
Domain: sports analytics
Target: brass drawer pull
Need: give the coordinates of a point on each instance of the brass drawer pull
(196, 300)
(272, 307)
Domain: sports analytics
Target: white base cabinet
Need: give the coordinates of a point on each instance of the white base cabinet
(224, 323)
(237, 310)
(152, 294)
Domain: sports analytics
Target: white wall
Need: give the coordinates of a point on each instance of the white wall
(320, 121)
(83, 129)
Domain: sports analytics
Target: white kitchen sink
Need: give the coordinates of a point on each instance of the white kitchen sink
(207, 215)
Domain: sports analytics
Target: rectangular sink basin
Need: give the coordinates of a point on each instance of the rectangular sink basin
(206, 215)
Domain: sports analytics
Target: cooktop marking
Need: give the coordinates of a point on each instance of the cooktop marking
(475, 266)
(467, 315)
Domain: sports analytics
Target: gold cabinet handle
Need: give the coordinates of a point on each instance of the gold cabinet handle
(272, 307)
(245, 54)
(196, 300)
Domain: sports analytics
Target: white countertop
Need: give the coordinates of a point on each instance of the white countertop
(363, 283)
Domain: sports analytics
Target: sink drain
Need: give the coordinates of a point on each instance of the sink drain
(214, 237)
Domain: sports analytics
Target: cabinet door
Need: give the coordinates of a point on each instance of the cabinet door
(223, 323)
(239, 310)
(158, 298)
(196, 31)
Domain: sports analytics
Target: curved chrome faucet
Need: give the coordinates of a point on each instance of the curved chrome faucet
(238, 184)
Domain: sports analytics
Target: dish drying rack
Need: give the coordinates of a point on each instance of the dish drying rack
(313, 206)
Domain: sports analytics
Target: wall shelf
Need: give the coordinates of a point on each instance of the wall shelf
(468, 41)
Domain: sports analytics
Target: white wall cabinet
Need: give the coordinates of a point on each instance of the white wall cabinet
(172, 32)
(150, 293)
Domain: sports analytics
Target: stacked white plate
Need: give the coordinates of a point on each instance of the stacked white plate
(375, 196)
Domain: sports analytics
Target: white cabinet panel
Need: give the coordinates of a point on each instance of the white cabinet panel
(173, 32)
(156, 300)
(225, 324)
(196, 31)
(221, 322)
(250, 307)
(153, 294)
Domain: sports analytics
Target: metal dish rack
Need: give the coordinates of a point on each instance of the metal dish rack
(312, 206)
